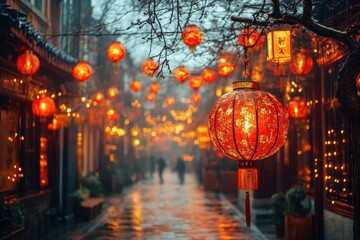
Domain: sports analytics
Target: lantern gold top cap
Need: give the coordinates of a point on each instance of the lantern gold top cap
(245, 85)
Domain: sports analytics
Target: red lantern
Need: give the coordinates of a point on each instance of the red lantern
(196, 97)
(192, 36)
(297, 108)
(136, 85)
(28, 63)
(302, 63)
(116, 52)
(247, 125)
(225, 69)
(112, 115)
(195, 82)
(112, 93)
(43, 106)
(251, 38)
(169, 101)
(99, 97)
(82, 71)
(182, 74)
(150, 97)
(208, 75)
(154, 87)
(150, 67)
(54, 125)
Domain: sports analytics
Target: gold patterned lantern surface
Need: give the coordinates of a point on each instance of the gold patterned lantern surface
(279, 46)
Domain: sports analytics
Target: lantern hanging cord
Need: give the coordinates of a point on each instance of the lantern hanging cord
(246, 62)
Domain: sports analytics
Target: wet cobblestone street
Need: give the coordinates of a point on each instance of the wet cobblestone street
(151, 210)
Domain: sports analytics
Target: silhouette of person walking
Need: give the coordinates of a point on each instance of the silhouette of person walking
(180, 168)
(161, 167)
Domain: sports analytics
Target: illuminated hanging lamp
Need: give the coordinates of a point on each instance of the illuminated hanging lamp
(116, 52)
(225, 69)
(302, 63)
(154, 87)
(136, 85)
(169, 101)
(297, 108)
(82, 71)
(54, 125)
(192, 36)
(150, 67)
(43, 106)
(28, 64)
(250, 38)
(196, 82)
(196, 97)
(99, 97)
(279, 46)
(182, 74)
(112, 93)
(112, 115)
(150, 97)
(209, 75)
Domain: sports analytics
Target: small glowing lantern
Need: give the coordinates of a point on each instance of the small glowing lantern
(99, 97)
(225, 69)
(208, 75)
(192, 36)
(248, 125)
(302, 63)
(112, 115)
(358, 84)
(82, 71)
(297, 108)
(195, 83)
(196, 97)
(136, 85)
(43, 106)
(181, 74)
(28, 64)
(112, 93)
(150, 67)
(251, 38)
(150, 97)
(279, 46)
(154, 87)
(169, 101)
(116, 52)
(54, 125)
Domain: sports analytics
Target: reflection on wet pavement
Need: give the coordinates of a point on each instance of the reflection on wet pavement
(168, 211)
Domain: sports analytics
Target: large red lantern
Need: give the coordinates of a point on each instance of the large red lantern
(28, 63)
(196, 97)
(43, 106)
(248, 125)
(99, 97)
(136, 85)
(154, 87)
(82, 71)
(297, 108)
(192, 36)
(150, 97)
(150, 67)
(112, 92)
(251, 38)
(116, 52)
(208, 75)
(302, 63)
(195, 82)
(182, 74)
(225, 69)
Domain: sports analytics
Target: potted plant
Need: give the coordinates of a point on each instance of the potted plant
(12, 219)
(298, 221)
(278, 202)
(93, 184)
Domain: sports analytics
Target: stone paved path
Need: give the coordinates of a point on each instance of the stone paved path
(168, 211)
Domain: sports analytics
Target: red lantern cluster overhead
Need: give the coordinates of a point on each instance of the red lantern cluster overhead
(251, 38)
(225, 69)
(28, 63)
(192, 36)
(136, 85)
(150, 67)
(150, 97)
(154, 87)
(116, 52)
(247, 125)
(182, 74)
(208, 75)
(195, 82)
(99, 97)
(82, 71)
(297, 108)
(302, 63)
(196, 97)
(43, 106)
(112, 92)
